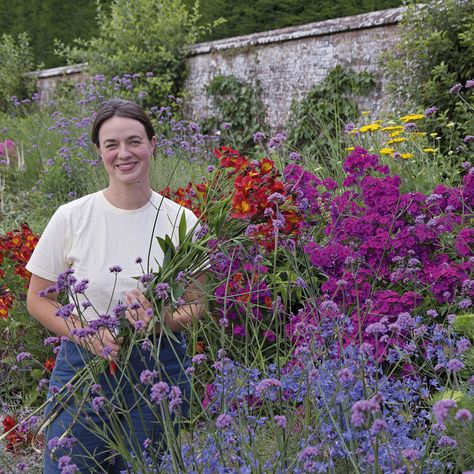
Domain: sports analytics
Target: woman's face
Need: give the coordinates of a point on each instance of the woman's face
(125, 150)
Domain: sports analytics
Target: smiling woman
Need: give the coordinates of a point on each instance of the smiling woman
(101, 238)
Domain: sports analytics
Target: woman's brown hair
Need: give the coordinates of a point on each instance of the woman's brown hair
(120, 108)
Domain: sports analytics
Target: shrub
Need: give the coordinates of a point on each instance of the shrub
(145, 36)
(435, 52)
(316, 123)
(16, 59)
(239, 104)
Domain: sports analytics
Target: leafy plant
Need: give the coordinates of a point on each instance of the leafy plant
(239, 103)
(435, 52)
(145, 36)
(316, 123)
(16, 59)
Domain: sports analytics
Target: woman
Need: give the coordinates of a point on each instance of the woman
(103, 237)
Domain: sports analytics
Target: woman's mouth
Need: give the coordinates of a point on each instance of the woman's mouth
(126, 166)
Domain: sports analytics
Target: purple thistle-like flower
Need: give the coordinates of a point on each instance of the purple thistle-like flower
(469, 84)
(378, 425)
(430, 111)
(50, 341)
(161, 290)
(146, 278)
(97, 403)
(294, 156)
(175, 398)
(265, 385)
(226, 125)
(23, 356)
(199, 359)
(447, 441)
(66, 310)
(64, 461)
(258, 137)
(456, 89)
(138, 260)
(277, 140)
(441, 409)
(159, 391)
(115, 269)
(223, 421)
(81, 286)
(276, 198)
(147, 376)
(280, 420)
(345, 375)
(455, 365)
(468, 138)
(463, 414)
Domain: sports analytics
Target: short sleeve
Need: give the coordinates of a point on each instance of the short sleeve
(49, 257)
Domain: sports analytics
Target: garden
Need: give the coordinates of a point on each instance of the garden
(339, 325)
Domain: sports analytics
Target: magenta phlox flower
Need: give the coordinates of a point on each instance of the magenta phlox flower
(382, 194)
(330, 258)
(465, 242)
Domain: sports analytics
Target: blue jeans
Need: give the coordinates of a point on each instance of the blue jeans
(134, 420)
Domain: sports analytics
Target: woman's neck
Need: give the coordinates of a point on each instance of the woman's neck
(129, 198)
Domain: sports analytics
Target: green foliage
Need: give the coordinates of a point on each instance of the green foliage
(238, 103)
(16, 59)
(250, 16)
(435, 51)
(45, 20)
(139, 37)
(316, 123)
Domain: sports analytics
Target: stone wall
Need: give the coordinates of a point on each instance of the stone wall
(287, 62)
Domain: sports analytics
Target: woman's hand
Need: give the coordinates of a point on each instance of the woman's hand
(103, 344)
(139, 311)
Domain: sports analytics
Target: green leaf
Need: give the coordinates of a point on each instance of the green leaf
(182, 228)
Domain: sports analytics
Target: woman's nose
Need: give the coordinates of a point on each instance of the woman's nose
(123, 151)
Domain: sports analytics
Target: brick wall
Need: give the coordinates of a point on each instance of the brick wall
(287, 62)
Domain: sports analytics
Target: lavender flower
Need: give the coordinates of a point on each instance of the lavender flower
(455, 365)
(115, 269)
(280, 420)
(469, 84)
(161, 290)
(430, 111)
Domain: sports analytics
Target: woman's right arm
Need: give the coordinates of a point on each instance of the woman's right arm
(43, 309)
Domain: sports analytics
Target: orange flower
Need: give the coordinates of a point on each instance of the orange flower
(49, 363)
(242, 207)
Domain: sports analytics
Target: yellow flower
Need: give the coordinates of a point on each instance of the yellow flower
(406, 156)
(392, 128)
(434, 134)
(411, 117)
(420, 134)
(351, 148)
(365, 112)
(387, 151)
(396, 140)
(371, 127)
(395, 134)
(429, 150)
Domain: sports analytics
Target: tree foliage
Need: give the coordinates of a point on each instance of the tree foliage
(16, 59)
(45, 20)
(250, 16)
(140, 37)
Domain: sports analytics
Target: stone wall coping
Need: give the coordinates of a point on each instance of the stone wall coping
(319, 28)
(58, 71)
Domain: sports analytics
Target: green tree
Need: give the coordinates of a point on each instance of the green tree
(250, 16)
(139, 37)
(16, 59)
(46, 20)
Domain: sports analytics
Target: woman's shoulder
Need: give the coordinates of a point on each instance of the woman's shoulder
(79, 204)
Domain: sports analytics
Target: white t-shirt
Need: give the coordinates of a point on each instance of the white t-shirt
(91, 235)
